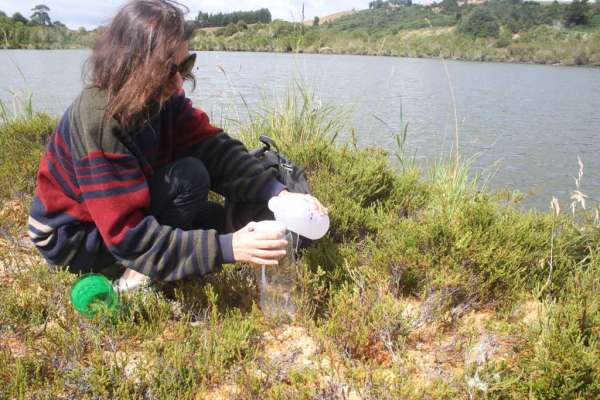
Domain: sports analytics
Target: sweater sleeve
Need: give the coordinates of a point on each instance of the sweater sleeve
(234, 173)
(115, 192)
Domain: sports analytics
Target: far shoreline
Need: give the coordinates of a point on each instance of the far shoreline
(457, 59)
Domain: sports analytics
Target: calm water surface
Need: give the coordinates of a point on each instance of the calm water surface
(526, 124)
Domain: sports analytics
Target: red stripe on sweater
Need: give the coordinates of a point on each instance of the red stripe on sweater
(192, 130)
(116, 216)
(101, 154)
(53, 199)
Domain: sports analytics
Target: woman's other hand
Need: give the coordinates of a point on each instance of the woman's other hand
(315, 204)
(261, 248)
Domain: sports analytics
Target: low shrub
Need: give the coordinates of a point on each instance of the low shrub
(22, 142)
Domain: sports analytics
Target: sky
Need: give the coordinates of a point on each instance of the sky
(90, 14)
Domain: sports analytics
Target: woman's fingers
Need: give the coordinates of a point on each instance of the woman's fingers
(250, 245)
(274, 236)
(316, 205)
(269, 254)
(270, 244)
(322, 210)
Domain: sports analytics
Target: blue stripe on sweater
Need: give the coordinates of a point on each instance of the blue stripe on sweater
(139, 257)
(137, 235)
(52, 219)
(96, 194)
(102, 159)
(179, 239)
(64, 125)
(64, 162)
(204, 249)
(111, 178)
(81, 172)
(193, 251)
(39, 233)
(60, 152)
(163, 245)
(50, 244)
(62, 182)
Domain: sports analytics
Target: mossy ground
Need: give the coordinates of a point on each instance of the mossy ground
(424, 288)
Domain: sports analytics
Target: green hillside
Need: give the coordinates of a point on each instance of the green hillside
(500, 30)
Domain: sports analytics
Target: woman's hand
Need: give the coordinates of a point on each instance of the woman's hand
(261, 248)
(315, 205)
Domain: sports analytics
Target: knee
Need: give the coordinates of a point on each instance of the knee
(190, 178)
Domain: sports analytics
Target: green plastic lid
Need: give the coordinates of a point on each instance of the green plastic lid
(93, 292)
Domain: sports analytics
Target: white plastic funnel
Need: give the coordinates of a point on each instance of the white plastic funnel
(296, 214)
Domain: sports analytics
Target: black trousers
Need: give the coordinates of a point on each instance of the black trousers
(178, 198)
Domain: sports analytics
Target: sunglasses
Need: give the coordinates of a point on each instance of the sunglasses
(185, 67)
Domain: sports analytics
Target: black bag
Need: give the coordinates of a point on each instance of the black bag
(238, 214)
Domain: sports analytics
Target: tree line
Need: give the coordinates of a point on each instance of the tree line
(374, 5)
(517, 15)
(206, 20)
(40, 15)
(495, 18)
(40, 31)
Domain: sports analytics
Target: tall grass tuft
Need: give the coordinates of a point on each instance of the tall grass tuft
(23, 135)
(21, 106)
(297, 119)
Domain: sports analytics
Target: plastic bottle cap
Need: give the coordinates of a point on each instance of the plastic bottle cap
(92, 292)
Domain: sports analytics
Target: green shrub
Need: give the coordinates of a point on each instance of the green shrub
(362, 323)
(577, 13)
(561, 354)
(480, 22)
(505, 39)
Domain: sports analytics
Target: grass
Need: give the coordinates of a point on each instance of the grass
(425, 287)
(24, 134)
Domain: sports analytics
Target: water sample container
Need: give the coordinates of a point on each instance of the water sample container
(93, 292)
(275, 282)
(297, 215)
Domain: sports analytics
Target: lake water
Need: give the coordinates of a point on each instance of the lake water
(525, 124)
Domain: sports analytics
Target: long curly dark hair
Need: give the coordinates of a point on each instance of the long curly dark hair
(133, 57)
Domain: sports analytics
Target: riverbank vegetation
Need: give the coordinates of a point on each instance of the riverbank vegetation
(41, 32)
(499, 30)
(426, 286)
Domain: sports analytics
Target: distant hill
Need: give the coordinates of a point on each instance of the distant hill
(499, 30)
(331, 17)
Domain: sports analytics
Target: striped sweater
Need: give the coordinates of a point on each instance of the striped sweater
(92, 187)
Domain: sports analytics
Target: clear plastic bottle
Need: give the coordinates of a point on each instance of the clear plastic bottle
(276, 282)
